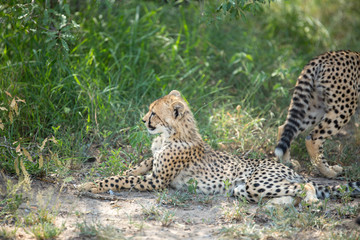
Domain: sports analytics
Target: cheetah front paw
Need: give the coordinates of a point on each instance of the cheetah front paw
(89, 187)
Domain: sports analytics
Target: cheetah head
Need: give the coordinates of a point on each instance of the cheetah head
(167, 114)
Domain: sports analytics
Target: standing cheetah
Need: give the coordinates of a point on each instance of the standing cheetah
(179, 155)
(325, 97)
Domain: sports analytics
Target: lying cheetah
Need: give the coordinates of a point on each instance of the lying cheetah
(325, 97)
(179, 155)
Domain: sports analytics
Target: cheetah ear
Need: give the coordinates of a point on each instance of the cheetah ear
(175, 93)
(178, 109)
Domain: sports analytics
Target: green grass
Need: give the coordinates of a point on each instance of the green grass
(88, 73)
(165, 217)
(98, 231)
(182, 198)
(289, 222)
(38, 221)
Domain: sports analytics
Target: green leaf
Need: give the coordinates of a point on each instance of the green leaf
(65, 45)
(51, 44)
(75, 25)
(67, 10)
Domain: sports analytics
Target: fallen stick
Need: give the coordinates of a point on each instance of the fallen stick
(100, 197)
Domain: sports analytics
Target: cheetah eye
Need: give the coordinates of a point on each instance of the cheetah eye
(152, 114)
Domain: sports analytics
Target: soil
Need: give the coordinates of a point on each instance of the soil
(142, 215)
(129, 215)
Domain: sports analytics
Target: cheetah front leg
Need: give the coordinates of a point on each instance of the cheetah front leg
(116, 183)
(128, 181)
(158, 179)
(142, 168)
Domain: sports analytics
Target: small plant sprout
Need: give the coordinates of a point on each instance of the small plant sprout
(192, 186)
(227, 188)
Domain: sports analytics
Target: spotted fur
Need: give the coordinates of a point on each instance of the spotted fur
(326, 95)
(179, 155)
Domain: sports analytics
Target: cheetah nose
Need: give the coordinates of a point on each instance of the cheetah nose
(143, 121)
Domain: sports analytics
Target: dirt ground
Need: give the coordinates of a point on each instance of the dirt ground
(150, 215)
(174, 215)
(126, 213)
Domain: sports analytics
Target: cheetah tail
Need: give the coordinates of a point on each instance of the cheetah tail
(338, 191)
(297, 111)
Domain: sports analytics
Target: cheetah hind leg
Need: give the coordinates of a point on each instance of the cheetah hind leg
(240, 190)
(329, 125)
(315, 150)
(284, 201)
(287, 201)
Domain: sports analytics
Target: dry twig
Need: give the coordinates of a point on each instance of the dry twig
(100, 197)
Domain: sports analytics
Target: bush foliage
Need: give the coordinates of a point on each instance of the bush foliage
(84, 74)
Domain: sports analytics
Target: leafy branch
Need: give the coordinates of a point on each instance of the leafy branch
(237, 8)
